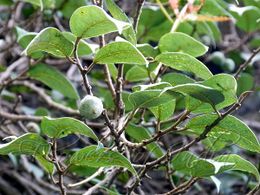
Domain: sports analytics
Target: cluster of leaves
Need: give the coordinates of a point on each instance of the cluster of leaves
(159, 61)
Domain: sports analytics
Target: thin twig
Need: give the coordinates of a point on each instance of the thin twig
(140, 4)
(243, 66)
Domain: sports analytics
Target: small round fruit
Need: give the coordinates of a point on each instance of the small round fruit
(217, 58)
(91, 107)
(229, 65)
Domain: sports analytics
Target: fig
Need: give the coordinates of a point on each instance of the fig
(91, 107)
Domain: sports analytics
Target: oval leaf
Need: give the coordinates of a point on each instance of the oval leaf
(29, 144)
(150, 98)
(240, 164)
(120, 52)
(224, 83)
(200, 92)
(230, 129)
(180, 42)
(184, 62)
(92, 21)
(93, 156)
(51, 41)
(190, 164)
(61, 127)
(54, 79)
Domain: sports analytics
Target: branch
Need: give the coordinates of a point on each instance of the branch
(80, 67)
(119, 111)
(15, 117)
(183, 187)
(243, 66)
(47, 98)
(106, 71)
(104, 181)
(59, 168)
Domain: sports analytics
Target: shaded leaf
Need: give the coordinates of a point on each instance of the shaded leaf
(48, 166)
(230, 129)
(35, 2)
(150, 98)
(192, 165)
(54, 79)
(136, 73)
(200, 92)
(118, 14)
(224, 83)
(176, 79)
(245, 14)
(240, 164)
(93, 156)
(29, 144)
(147, 50)
(139, 133)
(164, 111)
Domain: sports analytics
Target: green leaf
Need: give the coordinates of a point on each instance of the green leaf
(176, 79)
(224, 83)
(94, 156)
(200, 92)
(113, 70)
(139, 133)
(136, 73)
(29, 144)
(61, 127)
(92, 21)
(147, 50)
(52, 41)
(240, 164)
(213, 8)
(84, 48)
(48, 166)
(180, 42)
(120, 52)
(54, 79)
(164, 111)
(245, 14)
(118, 14)
(245, 82)
(6, 2)
(192, 165)
(24, 38)
(230, 129)
(184, 62)
(69, 6)
(160, 93)
(150, 98)
(35, 2)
